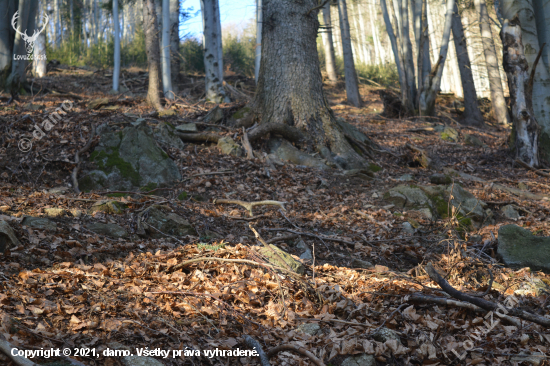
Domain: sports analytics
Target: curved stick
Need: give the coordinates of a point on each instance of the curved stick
(290, 347)
(252, 343)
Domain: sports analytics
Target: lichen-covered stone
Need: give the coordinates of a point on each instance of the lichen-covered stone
(360, 360)
(449, 134)
(518, 247)
(111, 230)
(7, 237)
(168, 223)
(39, 223)
(472, 140)
(440, 179)
(54, 212)
(215, 115)
(127, 160)
(510, 212)
(309, 328)
(276, 259)
(408, 196)
(164, 134)
(228, 146)
(108, 206)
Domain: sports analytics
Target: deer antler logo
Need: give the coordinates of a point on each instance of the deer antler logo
(29, 41)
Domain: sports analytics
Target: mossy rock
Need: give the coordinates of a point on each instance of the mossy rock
(167, 223)
(164, 134)
(518, 248)
(109, 206)
(39, 223)
(473, 140)
(441, 179)
(449, 134)
(111, 230)
(228, 146)
(287, 259)
(241, 113)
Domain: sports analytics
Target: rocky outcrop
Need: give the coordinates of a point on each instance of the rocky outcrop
(518, 248)
(128, 160)
(7, 237)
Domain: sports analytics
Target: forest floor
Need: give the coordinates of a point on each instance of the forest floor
(71, 288)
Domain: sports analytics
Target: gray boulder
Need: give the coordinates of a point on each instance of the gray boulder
(111, 230)
(440, 179)
(7, 237)
(510, 212)
(128, 160)
(309, 328)
(39, 223)
(109, 206)
(472, 140)
(518, 247)
(360, 360)
(306, 252)
(281, 259)
(449, 134)
(165, 136)
(229, 147)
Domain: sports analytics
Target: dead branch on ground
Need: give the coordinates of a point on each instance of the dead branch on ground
(249, 205)
(321, 237)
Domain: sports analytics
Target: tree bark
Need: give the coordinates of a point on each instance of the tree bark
(165, 52)
(116, 25)
(212, 44)
(26, 24)
(526, 129)
(330, 59)
(534, 17)
(175, 60)
(290, 88)
(472, 114)
(258, 47)
(393, 41)
(352, 85)
(153, 53)
(495, 84)
(432, 83)
(6, 39)
(409, 95)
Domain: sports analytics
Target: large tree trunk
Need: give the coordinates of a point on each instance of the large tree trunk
(6, 39)
(330, 60)
(352, 85)
(432, 83)
(526, 128)
(495, 83)
(534, 17)
(165, 52)
(25, 24)
(409, 95)
(212, 58)
(289, 98)
(153, 53)
(472, 114)
(116, 25)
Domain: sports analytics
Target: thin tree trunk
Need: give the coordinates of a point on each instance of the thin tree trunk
(258, 47)
(165, 52)
(431, 86)
(410, 99)
(472, 114)
(71, 12)
(175, 60)
(363, 35)
(495, 83)
(116, 25)
(330, 60)
(526, 129)
(212, 61)
(337, 35)
(25, 24)
(153, 53)
(352, 87)
(393, 41)
(58, 20)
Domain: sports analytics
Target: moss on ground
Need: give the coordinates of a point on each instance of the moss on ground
(240, 113)
(107, 162)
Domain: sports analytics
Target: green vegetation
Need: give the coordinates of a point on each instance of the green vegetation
(107, 162)
(205, 246)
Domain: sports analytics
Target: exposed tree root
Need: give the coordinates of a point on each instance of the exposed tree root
(290, 347)
(482, 303)
(287, 152)
(247, 146)
(249, 205)
(198, 137)
(288, 132)
(252, 343)
(6, 347)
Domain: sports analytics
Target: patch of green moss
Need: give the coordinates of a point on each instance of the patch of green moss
(182, 196)
(374, 168)
(149, 187)
(86, 184)
(117, 195)
(240, 113)
(398, 214)
(107, 162)
(204, 246)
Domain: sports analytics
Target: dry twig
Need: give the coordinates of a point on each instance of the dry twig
(249, 205)
(302, 351)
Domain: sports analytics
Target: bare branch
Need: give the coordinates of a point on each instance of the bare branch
(249, 205)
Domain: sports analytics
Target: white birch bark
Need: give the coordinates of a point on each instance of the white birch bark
(116, 25)
(352, 88)
(212, 40)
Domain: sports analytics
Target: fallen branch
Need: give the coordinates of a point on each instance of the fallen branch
(281, 238)
(252, 343)
(198, 137)
(482, 303)
(247, 218)
(249, 205)
(7, 348)
(321, 237)
(247, 146)
(527, 166)
(290, 347)
(74, 176)
(450, 302)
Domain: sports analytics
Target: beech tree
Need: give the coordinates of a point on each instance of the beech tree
(258, 48)
(213, 57)
(352, 85)
(153, 53)
(289, 98)
(116, 25)
(165, 51)
(328, 43)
